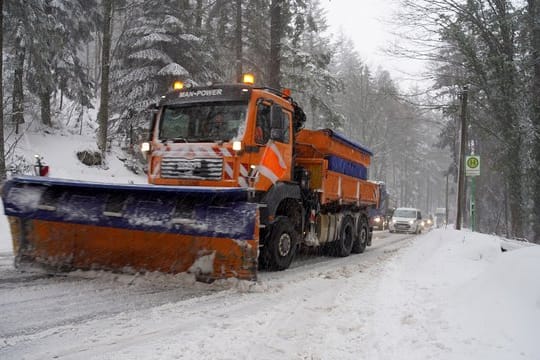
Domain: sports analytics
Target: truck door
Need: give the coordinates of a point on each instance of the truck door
(273, 132)
(280, 135)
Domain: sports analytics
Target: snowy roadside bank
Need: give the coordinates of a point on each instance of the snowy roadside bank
(456, 295)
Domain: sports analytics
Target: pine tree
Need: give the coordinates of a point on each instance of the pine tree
(306, 60)
(51, 34)
(533, 12)
(156, 49)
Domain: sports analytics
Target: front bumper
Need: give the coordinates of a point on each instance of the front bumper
(401, 227)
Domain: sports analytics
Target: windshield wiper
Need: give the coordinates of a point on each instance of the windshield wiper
(179, 139)
(175, 140)
(195, 140)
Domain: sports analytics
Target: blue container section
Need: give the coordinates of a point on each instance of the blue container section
(341, 138)
(346, 167)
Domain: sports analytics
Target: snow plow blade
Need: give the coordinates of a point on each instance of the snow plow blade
(67, 225)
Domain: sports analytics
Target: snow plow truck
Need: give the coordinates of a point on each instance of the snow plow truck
(224, 198)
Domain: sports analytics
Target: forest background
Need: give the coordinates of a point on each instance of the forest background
(100, 63)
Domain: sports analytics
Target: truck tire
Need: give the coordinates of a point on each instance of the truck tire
(344, 244)
(361, 236)
(280, 247)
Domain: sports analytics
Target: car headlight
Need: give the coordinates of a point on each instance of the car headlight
(393, 221)
(411, 222)
(377, 219)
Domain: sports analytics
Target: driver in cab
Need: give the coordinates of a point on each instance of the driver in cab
(217, 126)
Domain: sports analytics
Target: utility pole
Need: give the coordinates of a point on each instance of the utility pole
(463, 143)
(446, 201)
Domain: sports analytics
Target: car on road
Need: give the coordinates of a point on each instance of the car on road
(428, 223)
(379, 222)
(440, 217)
(408, 220)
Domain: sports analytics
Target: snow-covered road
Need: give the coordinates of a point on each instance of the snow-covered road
(104, 315)
(447, 294)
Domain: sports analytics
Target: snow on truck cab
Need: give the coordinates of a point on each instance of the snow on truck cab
(243, 195)
(440, 217)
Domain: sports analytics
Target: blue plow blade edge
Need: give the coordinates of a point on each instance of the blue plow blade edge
(197, 211)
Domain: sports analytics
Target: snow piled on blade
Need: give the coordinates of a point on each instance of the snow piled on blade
(26, 198)
(204, 265)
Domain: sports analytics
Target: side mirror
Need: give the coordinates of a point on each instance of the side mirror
(152, 108)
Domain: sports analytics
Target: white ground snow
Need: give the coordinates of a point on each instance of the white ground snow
(445, 294)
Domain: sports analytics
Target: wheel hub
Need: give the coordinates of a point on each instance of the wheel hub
(284, 246)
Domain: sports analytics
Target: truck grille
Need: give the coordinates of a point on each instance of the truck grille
(182, 168)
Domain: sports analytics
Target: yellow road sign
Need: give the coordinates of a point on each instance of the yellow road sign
(472, 165)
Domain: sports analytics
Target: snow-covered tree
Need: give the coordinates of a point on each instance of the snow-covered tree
(48, 36)
(477, 43)
(307, 55)
(158, 47)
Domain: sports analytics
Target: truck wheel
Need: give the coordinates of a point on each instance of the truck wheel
(344, 244)
(362, 236)
(280, 247)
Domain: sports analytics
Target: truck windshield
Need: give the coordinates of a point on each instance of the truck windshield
(223, 121)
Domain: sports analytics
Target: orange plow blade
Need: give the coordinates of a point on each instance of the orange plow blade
(67, 225)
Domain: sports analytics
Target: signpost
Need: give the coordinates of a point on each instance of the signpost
(472, 165)
(472, 169)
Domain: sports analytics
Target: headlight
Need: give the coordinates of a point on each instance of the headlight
(145, 147)
(237, 145)
(394, 221)
(411, 222)
(377, 219)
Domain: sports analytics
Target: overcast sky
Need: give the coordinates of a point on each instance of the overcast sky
(368, 24)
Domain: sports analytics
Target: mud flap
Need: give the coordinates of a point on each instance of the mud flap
(211, 232)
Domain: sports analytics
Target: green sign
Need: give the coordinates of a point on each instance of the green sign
(472, 165)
